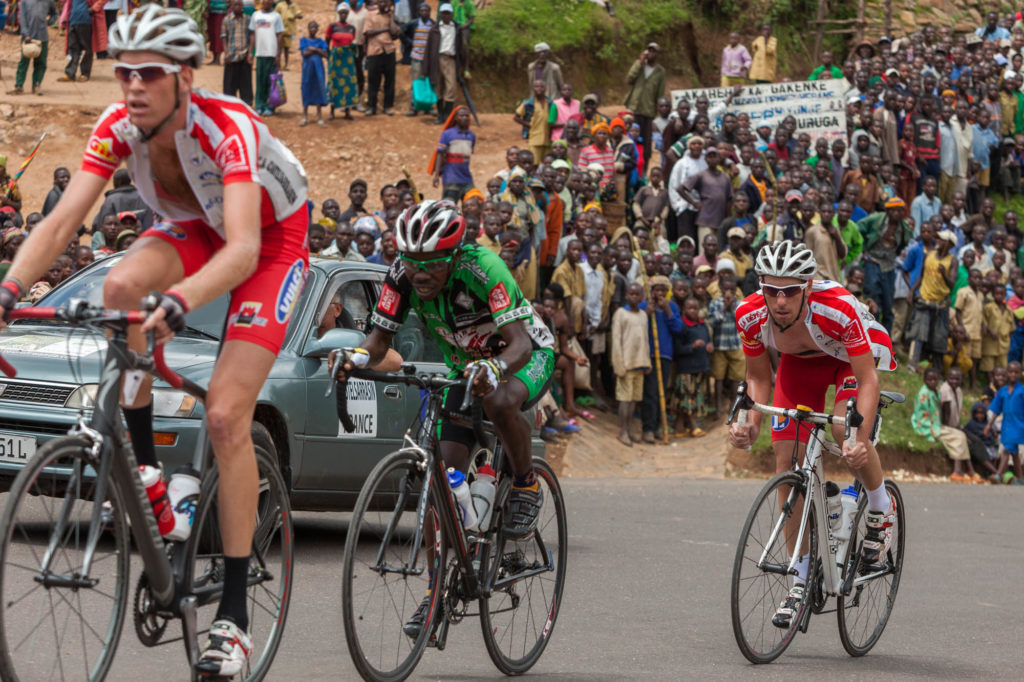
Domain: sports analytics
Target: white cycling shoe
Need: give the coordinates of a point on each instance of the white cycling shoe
(226, 651)
(878, 534)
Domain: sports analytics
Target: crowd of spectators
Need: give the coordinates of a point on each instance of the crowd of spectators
(634, 228)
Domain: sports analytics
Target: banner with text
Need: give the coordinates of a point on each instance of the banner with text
(817, 105)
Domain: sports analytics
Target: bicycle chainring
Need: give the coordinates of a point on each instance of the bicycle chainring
(150, 624)
(454, 596)
(818, 598)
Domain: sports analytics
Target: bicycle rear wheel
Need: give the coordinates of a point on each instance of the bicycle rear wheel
(864, 614)
(59, 624)
(381, 588)
(270, 564)
(529, 576)
(756, 593)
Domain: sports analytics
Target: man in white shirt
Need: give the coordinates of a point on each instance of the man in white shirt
(267, 27)
(690, 165)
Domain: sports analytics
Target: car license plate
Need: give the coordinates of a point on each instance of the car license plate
(16, 449)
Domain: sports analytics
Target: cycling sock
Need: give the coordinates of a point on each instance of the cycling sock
(527, 480)
(878, 500)
(801, 569)
(232, 600)
(140, 428)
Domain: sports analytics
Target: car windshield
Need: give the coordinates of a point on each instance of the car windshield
(88, 284)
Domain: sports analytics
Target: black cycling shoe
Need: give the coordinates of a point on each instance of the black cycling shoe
(522, 512)
(414, 626)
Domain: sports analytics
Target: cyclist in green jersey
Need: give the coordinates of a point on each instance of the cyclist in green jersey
(473, 307)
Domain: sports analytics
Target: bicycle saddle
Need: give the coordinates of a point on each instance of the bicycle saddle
(892, 396)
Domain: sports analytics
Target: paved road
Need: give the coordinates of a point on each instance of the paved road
(647, 594)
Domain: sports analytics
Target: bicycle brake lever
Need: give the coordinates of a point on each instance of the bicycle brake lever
(853, 420)
(331, 359)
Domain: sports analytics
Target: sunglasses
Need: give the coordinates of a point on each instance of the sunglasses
(146, 72)
(433, 265)
(787, 292)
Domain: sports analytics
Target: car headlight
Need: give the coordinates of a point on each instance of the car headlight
(83, 397)
(167, 402)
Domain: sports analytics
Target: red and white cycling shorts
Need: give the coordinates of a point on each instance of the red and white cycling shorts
(804, 381)
(262, 305)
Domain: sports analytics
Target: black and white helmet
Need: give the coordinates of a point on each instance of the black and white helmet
(154, 28)
(430, 226)
(786, 259)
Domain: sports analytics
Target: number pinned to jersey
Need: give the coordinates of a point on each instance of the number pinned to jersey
(499, 298)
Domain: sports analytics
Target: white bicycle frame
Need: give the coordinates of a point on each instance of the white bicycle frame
(832, 579)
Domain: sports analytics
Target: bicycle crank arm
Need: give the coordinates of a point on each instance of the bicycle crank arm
(187, 606)
(403, 571)
(74, 581)
(781, 569)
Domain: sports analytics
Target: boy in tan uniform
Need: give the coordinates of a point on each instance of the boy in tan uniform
(631, 358)
(969, 312)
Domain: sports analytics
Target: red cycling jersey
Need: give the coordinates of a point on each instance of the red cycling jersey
(840, 326)
(223, 142)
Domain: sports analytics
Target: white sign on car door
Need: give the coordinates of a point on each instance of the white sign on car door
(362, 407)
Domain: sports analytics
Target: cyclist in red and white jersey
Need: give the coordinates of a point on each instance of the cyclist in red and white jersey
(825, 337)
(233, 200)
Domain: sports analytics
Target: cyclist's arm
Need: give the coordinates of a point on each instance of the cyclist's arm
(237, 260)
(382, 356)
(868, 389)
(759, 383)
(50, 237)
(517, 351)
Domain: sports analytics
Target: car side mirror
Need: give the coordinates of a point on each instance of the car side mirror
(334, 338)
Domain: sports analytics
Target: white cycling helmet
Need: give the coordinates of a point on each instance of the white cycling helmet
(430, 226)
(154, 28)
(786, 259)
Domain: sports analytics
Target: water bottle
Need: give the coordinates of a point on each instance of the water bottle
(849, 498)
(457, 481)
(183, 493)
(156, 491)
(835, 510)
(482, 492)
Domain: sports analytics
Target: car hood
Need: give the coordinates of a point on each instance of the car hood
(65, 355)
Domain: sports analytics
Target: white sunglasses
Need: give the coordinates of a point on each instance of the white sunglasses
(146, 72)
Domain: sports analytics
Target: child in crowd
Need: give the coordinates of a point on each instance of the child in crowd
(997, 325)
(317, 238)
(631, 358)
(926, 421)
(665, 314)
(984, 448)
(969, 312)
(693, 366)
(314, 82)
(957, 350)
(1009, 402)
(951, 400)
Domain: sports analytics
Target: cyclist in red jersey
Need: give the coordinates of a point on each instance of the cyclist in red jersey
(824, 337)
(234, 200)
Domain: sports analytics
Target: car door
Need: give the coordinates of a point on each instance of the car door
(333, 459)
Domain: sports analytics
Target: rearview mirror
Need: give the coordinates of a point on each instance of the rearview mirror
(334, 338)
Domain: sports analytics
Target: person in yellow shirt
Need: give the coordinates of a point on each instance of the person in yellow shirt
(741, 260)
(969, 313)
(535, 115)
(764, 56)
(489, 236)
(290, 14)
(929, 328)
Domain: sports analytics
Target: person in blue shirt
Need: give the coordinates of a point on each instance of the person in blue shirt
(450, 163)
(913, 263)
(926, 204)
(669, 323)
(1009, 402)
(981, 151)
(992, 32)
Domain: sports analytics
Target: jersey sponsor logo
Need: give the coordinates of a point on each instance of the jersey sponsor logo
(288, 294)
(751, 318)
(209, 179)
(248, 315)
(853, 335)
(779, 423)
(849, 384)
(498, 298)
(389, 299)
(124, 130)
(171, 230)
(830, 313)
(229, 157)
(101, 149)
(463, 300)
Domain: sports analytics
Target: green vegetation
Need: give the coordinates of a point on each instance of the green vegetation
(896, 429)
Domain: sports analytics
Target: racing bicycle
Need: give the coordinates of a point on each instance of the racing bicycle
(64, 536)
(795, 502)
(516, 583)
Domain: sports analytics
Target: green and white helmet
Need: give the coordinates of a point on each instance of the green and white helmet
(154, 28)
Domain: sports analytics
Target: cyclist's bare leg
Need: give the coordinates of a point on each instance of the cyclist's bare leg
(870, 475)
(151, 264)
(784, 462)
(503, 407)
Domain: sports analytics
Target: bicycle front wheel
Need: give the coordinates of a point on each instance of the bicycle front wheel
(757, 592)
(864, 614)
(270, 564)
(385, 574)
(529, 576)
(58, 621)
